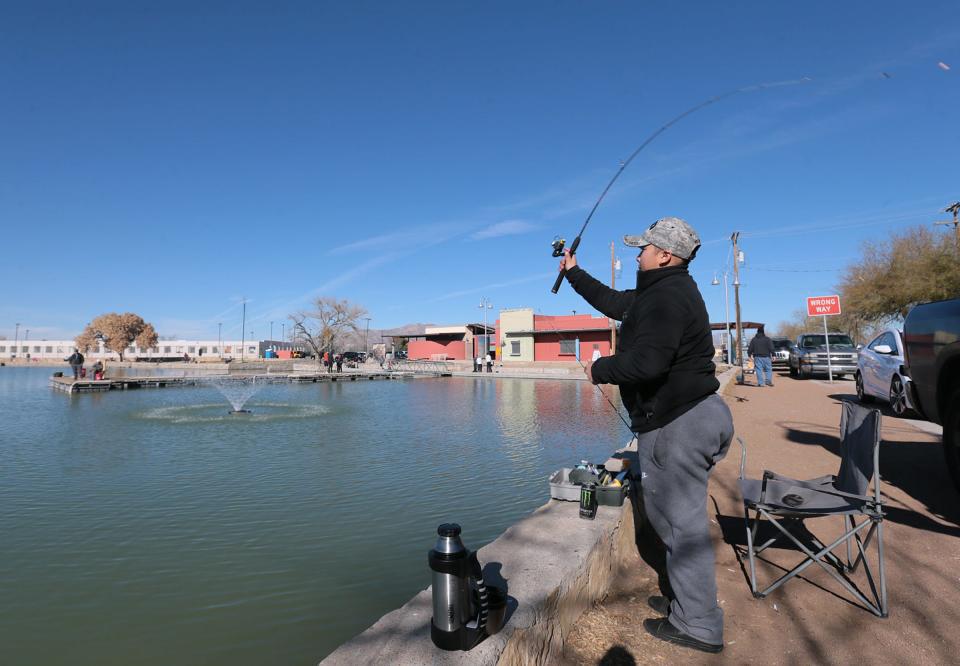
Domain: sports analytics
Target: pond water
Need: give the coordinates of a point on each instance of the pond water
(151, 527)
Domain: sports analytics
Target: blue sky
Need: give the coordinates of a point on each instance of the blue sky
(173, 158)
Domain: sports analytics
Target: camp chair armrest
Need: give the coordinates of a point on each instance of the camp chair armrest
(830, 490)
(817, 482)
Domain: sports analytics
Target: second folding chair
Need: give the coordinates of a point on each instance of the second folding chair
(785, 504)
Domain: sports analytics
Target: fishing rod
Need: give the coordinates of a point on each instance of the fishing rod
(559, 243)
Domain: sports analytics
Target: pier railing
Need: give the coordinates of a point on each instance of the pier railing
(418, 367)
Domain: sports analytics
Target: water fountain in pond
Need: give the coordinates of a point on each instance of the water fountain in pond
(237, 391)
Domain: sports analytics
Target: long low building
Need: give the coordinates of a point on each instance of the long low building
(57, 350)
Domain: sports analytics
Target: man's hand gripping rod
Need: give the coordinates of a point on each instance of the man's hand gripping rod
(558, 252)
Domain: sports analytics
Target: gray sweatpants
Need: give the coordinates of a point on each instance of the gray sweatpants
(675, 463)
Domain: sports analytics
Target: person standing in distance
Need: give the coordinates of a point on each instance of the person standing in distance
(760, 350)
(76, 363)
(664, 368)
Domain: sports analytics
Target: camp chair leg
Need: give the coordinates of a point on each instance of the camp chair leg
(750, 533)
(828, 553)
(884, 611)
(862, 556)
(816, 558)
(847, 526)
(769, 542)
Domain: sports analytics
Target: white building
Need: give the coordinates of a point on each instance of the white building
(57, 350)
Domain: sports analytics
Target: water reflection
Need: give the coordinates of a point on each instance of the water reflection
(150, 527)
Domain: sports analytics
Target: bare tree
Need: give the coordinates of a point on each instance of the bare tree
(324, 327)
(848, 322)
(117, 332)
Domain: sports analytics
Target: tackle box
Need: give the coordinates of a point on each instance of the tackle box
(562, 489)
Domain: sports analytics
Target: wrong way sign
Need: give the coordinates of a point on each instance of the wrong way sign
(823, 305)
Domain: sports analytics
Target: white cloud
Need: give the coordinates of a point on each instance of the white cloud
(434, 233)
(494, 285)
(505, 228)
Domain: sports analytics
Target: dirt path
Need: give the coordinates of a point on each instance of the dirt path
(793, 429)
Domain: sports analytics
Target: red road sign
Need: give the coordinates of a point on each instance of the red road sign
(823, 305)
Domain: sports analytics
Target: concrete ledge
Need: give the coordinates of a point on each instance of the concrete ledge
(555, 566)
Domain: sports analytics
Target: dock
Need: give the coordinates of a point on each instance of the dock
(70, 386)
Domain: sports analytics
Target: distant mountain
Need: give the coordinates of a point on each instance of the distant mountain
(355, 341)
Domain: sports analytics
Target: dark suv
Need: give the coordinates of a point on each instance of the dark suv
(781, 352)
(931, 340)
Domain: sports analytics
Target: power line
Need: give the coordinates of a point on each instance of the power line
(794, 270)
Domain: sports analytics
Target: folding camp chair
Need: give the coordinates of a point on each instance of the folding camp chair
(786, 503)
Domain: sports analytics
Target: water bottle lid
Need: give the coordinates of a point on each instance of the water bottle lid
(449, 530)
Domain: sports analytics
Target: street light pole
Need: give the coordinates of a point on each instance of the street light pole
(726, 312)
(485, 305)
(220, 339)
(271, 331)
(16, 341)
(366, 332)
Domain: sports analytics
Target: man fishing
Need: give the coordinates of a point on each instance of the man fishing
(664, 368)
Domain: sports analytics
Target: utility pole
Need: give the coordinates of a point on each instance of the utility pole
(366, 332)
(736, 298)
(220, 338)
(243, 330)
(613, 285)
(271, 331)
(955, 209)
(16, 341)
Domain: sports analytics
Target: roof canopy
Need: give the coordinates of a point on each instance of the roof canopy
(733, 325)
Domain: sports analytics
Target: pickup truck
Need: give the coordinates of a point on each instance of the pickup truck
(931, 340)
(809, 356)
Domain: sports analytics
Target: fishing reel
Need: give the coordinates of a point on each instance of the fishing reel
(557, 246)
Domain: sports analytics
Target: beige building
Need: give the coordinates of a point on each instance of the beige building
(516, 335)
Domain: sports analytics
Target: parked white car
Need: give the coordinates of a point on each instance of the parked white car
(881, 374)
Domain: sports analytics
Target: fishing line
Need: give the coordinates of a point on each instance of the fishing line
(623, 165)
(584, 368)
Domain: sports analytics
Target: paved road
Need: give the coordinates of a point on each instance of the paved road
(793, 428)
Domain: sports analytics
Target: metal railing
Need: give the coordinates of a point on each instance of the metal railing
(417, 367)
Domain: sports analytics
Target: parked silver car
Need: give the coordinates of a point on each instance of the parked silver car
(881, 373)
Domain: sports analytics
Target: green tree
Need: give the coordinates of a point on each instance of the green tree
(117, 332)
(914, 266)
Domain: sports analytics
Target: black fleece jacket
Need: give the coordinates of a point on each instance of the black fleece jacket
(664, 358)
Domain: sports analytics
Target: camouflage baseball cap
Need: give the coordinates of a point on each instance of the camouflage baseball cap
(671, 234)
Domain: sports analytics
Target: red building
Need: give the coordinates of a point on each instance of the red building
(449, 343)
(525, 336)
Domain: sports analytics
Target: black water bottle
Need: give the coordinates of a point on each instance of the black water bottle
(588, 501)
